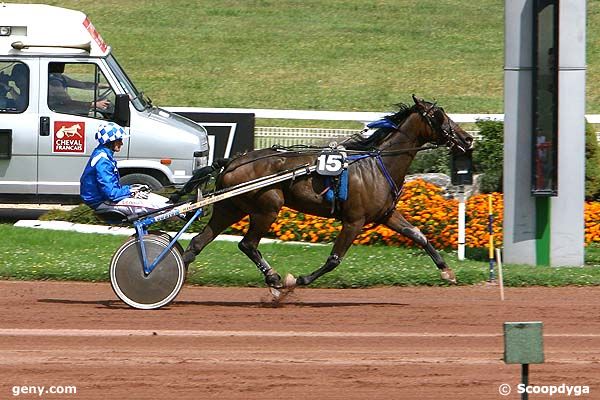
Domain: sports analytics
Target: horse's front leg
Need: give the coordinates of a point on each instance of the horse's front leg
(398, 223)
(341, 245)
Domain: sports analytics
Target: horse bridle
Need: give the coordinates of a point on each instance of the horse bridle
(445, 130)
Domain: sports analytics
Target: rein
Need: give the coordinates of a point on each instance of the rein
(367, 153)
(293, 151)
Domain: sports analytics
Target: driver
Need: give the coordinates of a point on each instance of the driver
(59, 98)
(100, 188)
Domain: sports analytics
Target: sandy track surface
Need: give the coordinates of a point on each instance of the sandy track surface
(233, 343)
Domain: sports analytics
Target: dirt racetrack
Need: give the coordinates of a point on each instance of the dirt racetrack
(229, 343)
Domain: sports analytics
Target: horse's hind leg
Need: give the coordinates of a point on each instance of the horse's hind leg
(222, 217)
(398, 223)
(260, 223)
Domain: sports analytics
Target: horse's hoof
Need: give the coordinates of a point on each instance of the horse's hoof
(273, 280)
(188, 257)
(289, 282)
(301, 281)
(448, 275)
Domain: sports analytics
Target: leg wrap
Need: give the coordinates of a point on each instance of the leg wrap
(255, 256)
(332, 262)
(263, 266)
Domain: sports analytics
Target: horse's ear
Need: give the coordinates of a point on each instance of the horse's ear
(418, 102)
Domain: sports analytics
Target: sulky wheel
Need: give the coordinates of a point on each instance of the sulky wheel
(168, 238)
(157, 289)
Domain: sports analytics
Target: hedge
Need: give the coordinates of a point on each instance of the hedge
(423, 205)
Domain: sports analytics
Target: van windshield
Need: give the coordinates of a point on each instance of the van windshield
(137, 97)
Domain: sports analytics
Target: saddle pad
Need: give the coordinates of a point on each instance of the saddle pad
(342, 188)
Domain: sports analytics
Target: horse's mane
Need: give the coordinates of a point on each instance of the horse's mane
(359, 142)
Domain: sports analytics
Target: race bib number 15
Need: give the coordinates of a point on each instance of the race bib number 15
(331, 163)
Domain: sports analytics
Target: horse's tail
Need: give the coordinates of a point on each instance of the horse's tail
(199, 177)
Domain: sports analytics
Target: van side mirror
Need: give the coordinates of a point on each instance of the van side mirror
(122, 114)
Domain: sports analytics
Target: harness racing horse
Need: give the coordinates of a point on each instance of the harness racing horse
(374, 180)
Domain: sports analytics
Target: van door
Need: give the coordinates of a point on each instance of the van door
(75, 97)
(18, 127)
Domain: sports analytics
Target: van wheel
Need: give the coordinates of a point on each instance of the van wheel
(143, 179)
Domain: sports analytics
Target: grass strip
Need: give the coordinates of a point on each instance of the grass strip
(32, 254)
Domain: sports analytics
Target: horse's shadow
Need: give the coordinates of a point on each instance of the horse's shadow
(117, 304)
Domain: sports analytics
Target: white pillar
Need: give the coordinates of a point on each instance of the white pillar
(519, 207)
(566, 210)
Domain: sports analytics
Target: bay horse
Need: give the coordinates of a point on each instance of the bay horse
(374, 182)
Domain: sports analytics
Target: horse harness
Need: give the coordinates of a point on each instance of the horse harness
(349, 157)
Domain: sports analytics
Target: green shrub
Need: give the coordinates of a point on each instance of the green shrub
(437, 161)
(488, 155)
(82, 214)
(488, 159)
(592, 164)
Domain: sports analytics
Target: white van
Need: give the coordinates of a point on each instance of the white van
(58, 82)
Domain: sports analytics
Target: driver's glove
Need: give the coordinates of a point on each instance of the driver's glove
(138, 187)
(139, 191)
(139, 195)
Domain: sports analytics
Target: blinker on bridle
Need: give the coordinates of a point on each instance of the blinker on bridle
(446, 131)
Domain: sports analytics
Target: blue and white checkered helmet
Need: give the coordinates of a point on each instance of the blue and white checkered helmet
(109, 132)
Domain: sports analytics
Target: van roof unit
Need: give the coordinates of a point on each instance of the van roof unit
(39, 28)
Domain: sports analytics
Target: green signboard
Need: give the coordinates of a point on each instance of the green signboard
(523, 343)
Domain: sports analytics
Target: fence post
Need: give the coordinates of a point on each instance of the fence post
(461, 223)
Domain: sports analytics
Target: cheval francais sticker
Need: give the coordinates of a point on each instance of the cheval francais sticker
(69, 137)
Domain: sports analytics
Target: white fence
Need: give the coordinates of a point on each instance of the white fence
(267, 136)
(357, 116)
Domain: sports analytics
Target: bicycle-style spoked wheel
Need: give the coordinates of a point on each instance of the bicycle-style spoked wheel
(156, 289)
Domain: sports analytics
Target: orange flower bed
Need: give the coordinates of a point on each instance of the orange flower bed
(592, 222)
(423, 205)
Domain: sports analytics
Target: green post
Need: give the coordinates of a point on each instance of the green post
(542, 230)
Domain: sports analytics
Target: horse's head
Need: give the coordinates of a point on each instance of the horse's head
(444, 131)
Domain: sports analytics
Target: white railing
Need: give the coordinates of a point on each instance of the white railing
(357, 116)
(267, 136)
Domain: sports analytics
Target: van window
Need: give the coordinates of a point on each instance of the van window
(14, 87)
(79, 89)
